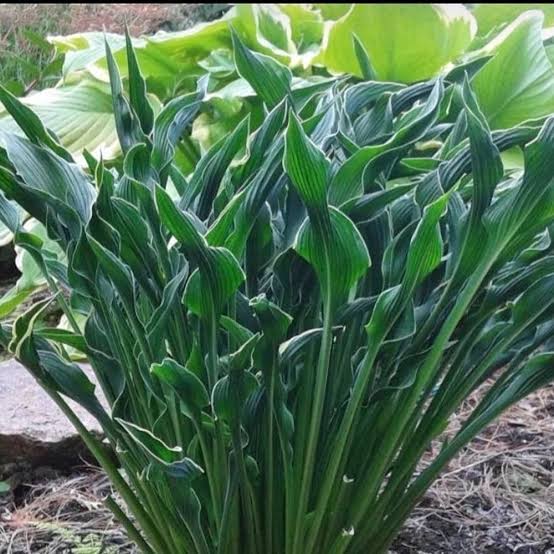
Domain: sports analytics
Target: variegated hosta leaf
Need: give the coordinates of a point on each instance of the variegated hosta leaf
(270, 80)
(6, 234)
(291, 33)
(493, 18)
(170, 460)
(218, 275)
(32, 278)
(188, 387)
(404, 43)
(80, 115)
(163, 58)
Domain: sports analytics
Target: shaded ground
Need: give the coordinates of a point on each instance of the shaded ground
(497, 497)
(60, 514)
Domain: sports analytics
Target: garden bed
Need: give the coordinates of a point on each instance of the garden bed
(494, 498)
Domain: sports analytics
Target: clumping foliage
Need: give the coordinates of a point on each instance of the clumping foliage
(280, 335)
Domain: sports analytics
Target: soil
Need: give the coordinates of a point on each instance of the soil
(497, 496)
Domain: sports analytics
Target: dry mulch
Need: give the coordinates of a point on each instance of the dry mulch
(497, 497)
(54, 514)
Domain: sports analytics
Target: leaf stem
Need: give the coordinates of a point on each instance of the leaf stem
(269, 458)
(317, 409)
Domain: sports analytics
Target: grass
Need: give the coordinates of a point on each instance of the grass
(28, 62)
(26, 59)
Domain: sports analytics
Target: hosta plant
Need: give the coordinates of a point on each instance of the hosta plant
(281, 338)
(511, 50)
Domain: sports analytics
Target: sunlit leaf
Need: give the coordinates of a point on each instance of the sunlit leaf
(405, 43)
(517, 84)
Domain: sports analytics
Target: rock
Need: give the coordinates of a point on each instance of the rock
(32, 428)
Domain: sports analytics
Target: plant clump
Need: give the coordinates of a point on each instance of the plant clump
(282, 333)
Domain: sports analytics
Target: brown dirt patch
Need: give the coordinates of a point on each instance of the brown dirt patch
(497, 496)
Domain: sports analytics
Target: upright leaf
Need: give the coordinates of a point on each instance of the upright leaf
(270, 79)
